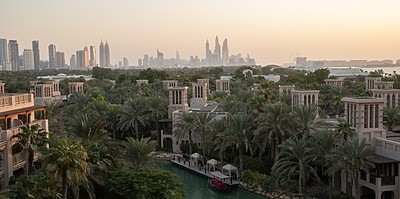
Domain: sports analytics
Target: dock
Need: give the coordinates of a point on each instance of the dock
(202, 171)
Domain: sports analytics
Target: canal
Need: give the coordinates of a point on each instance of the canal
(196, 186)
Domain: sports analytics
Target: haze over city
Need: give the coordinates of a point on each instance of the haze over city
(269, 31)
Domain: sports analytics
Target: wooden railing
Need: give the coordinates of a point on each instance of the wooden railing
(18, 158)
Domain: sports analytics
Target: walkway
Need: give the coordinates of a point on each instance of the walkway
(203, 171)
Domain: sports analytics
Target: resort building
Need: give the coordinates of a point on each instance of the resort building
(45, 93)
(75, 87)
(199, 96)
(334, 82)
(141, 82)
(205, 81)
(365, 115)
(304, 97)
(16, 110)
(385, 90)
(223, 85)
(370, 82)
(178, 104)
(286, 88)
(169, 83)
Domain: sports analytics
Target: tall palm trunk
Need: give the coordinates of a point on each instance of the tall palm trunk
(355, 179)
(190, 143)
(137, 130)
(30, 162)
(301, 177)
(241, 154)
(64, 184)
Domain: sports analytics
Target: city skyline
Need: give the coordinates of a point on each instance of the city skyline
(269, 31)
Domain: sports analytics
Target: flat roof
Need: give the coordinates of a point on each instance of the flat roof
(380, 159)
(21, 110)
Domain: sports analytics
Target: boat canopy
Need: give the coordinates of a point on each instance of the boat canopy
(219, 175)
(230, 168)
(213, 163)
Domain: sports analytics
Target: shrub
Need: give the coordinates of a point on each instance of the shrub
(256, 179)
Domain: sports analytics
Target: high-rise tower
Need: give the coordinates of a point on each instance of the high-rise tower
(160, 59)
(92, 56)
(36, 54)
(208, 54)
(3, 53)
(217, 51)
(107, 55)
(52, 56)
(102, 54)
(60, 59)
(225, 53)
(28, 56)
(14, 54)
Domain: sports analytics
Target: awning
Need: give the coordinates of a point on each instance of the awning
(212, 162)
(381, 159)
(219, 175)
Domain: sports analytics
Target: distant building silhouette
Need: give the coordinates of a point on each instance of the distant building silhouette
(102, 54)
(225, 53)
(36, 54)
(92, 56)
(28, 57)
(107, 55)
(4, 59)
(14, 54)
(52, 57)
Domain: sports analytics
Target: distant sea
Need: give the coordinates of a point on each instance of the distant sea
(388, 70)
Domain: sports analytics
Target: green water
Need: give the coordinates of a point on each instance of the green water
(196, 186)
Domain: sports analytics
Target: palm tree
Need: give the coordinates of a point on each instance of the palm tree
(112, 116)
(66, 160)
(351, 158)
(237, 134)
(134, 112)
(30, 139)
(218, 126)
(203, 128)
(323, 146)
(295, 158)
(272, 126)
(392, 117)
(185, 126)
(158, 107)
(345, 131)
(138, 151)
(88, 128)
(305, 117)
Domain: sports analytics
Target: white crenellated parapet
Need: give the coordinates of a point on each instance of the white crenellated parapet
(304, 97)
(286, 88)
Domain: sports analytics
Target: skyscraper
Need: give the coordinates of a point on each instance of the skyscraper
(87, 56)
(28, 57)
(36, 54)
(92, 56)
(160, 59)
(217, 51)
(82, 58)
(107, 55)
(52, 57)
(14, 54)
(60, 59)
(140, 62)
(225, 53)
(146, 60)
(126, 62)
(208, 57)
(72, 61)
(4, 59)
(177, 58)
(102, 54)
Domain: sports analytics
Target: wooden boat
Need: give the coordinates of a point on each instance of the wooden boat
(217, 185)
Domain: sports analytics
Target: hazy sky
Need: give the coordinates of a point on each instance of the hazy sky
(271, 31)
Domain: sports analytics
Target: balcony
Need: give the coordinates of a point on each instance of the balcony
(18, 161)
(15, 130)
(373, 181)
(12, 101)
